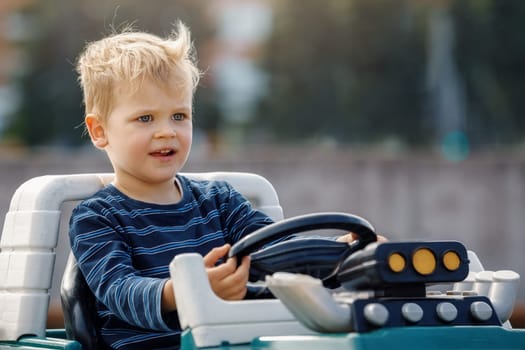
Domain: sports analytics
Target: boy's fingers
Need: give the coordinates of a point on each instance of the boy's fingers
(223, 270)
(350, 237)
(244, 269)
(215, 254)
(347, 238)
(239, 274)
(381, 238)
(245, 263)
(234, 284)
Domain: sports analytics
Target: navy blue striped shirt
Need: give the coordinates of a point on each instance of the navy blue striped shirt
(124, 247)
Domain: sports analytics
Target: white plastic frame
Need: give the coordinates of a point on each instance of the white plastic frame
(30, 236)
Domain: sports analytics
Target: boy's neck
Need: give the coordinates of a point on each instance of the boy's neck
(166, 193)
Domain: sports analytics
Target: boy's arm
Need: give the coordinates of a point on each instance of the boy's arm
(105, 261)
(241, 218)
(168, 303)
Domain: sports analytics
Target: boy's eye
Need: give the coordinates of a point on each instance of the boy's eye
(145, 118)
(178, 116)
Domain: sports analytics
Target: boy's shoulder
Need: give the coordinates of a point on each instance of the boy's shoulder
(106, 196)
(202, 184)
(201, 189)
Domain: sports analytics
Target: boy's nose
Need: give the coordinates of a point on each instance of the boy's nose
(166, 130)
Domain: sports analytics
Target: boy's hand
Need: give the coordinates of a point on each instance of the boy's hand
(227, 280)
(350, 237)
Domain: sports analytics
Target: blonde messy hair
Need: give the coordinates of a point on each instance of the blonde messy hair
(129, 57)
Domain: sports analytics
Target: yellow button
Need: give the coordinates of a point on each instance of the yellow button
(424, 261)
(451, 260)
(396, 262)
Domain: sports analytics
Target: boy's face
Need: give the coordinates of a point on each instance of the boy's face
(148, 134)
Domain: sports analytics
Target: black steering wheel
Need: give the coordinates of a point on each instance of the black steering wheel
(313, 255)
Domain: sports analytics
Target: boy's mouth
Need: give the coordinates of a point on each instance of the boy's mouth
(163, 152)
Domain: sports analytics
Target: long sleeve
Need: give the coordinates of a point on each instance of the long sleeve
(242, 218)
(104, 256)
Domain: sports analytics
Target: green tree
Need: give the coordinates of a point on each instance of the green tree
(356, 70)
(52, 110)
(491, 56)
(349, 70)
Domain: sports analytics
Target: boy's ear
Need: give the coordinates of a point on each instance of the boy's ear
(96, 130)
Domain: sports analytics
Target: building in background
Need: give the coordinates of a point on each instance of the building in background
(242, 28)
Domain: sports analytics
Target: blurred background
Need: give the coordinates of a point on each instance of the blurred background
(408, 113)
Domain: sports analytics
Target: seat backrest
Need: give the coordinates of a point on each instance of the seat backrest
(30, 236)
(79, 307)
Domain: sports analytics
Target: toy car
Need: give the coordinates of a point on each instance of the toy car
(367, 295)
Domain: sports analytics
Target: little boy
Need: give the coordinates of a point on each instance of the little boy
(138, 93)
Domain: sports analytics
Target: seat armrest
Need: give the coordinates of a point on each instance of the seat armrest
(213, 320)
